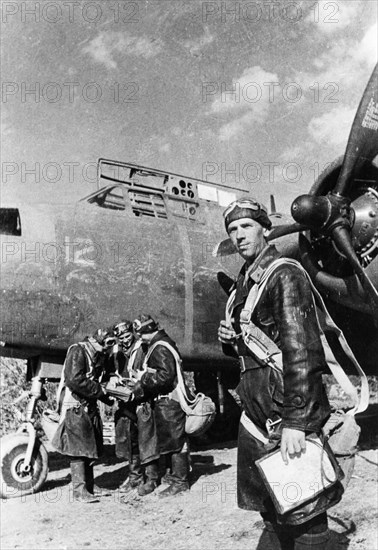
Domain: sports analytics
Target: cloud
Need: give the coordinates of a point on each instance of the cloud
(236, 127)
(330, 17)
(249, 97)
(165, 148)
(249, 91)
(333, 127)
(335, 84)
(293, 153)
(366, 52)
(106, 45)
(6, 128)
(346, 66)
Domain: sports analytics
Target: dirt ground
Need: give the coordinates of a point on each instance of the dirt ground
(207, 517)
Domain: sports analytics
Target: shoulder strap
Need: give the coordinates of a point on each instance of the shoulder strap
(257, 341)
(229, 306)
(62, 382)
(325, 322)
(257, 290)
(133, 354)
(184, 399)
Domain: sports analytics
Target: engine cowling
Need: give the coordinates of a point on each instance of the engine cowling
(320, 256)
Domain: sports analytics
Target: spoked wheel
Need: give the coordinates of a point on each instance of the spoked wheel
(15, 479)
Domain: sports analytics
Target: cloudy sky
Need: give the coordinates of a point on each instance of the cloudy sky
(257, 94)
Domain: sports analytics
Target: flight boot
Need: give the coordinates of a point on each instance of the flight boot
(79, 482)
(274, 537)
(152, 477)
(313, 541)
(92, 488)
(135, 475)
(179, 478)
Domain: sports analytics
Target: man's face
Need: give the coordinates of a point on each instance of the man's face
(125, 340)
(247, 236)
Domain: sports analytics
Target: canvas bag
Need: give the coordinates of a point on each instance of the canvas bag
(200, 410)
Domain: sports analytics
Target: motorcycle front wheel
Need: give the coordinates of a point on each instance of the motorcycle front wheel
(14, 480)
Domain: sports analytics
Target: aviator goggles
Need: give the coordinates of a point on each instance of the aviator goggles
(109, 342)
(143, 327)
(247, 208)
(122, 328)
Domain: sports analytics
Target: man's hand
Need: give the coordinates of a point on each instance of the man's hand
(113, 381)
(293, 443)
(226, 334)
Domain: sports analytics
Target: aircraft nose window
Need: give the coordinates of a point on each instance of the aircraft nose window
(112, 198)
(10, 222)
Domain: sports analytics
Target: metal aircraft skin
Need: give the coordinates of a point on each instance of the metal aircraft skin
(143, 242)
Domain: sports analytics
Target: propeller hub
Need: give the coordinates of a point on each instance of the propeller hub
(312, 211)
(321, 213)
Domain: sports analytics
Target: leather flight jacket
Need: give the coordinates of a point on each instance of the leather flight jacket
(160, 378)
(286, 314)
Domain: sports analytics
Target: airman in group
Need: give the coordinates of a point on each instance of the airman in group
(79, 434)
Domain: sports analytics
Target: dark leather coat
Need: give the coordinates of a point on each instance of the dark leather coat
(286, 314)
(161, 421)
(80, 433)
(125, 418)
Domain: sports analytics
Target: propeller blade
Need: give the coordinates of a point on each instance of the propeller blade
(341, 237)
(224, 248)
(363, 139)
(282, 230)
(225, 282)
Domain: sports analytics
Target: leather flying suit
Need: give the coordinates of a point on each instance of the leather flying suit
(125, 419)
(285, 312)
(161, 421)
(80, 433)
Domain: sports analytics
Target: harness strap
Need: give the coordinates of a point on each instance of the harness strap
(185, 401)
(326, 323)
(133, 355)
(251, 427)
(266, 349)
(61, 384)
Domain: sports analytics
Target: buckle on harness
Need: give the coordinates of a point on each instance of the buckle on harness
(245, 316)
(269, 424)
(242, 363)
(247, 363)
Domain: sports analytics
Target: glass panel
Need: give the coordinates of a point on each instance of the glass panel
(10, 223)
(112, 199)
